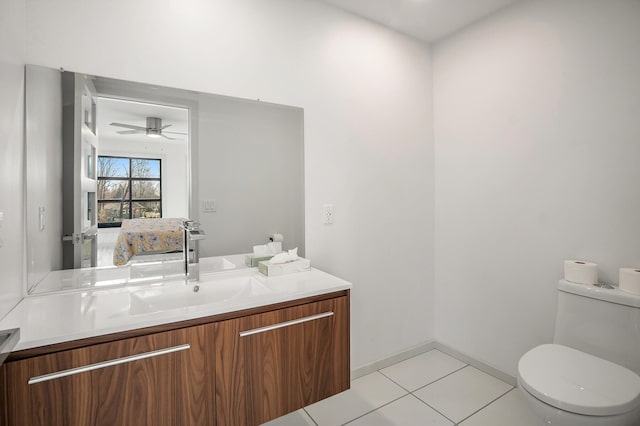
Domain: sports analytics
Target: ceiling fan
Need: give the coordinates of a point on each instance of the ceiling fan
(154, 129)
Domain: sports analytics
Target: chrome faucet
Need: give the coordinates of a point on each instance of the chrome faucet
(190, 252)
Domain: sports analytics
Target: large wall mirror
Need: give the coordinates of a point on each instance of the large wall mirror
(102, 154)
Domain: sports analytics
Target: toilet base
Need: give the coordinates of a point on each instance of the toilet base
(553, 416)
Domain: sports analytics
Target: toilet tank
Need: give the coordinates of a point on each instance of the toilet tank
(600, 321)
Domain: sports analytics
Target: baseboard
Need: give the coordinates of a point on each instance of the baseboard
(492, 371)
(393, 359)
(426, 347)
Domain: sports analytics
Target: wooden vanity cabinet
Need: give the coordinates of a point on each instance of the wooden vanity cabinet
(242, 368)
(273, 363)
(171, 385)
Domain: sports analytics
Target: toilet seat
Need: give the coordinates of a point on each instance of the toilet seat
(578, 382)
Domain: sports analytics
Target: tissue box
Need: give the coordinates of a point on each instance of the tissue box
(252, 260)
(284, 268)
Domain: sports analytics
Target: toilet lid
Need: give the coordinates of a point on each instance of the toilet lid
(575, 381)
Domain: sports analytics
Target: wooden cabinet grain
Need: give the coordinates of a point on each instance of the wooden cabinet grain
(173, 388)
(239, 369)
(272, 363)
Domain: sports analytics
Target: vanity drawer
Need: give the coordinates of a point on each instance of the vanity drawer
(276, 362)
(245, 369)
(156, 379)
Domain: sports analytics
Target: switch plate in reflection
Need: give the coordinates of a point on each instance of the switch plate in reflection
(41, 218)
(209, 206)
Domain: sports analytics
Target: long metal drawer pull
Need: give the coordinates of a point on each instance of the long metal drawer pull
(104, 364)
(285, 324)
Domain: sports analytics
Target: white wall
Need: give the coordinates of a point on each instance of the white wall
(249, 159)
(366, 94)
(12, 54)
(537, 141)
(43, 148)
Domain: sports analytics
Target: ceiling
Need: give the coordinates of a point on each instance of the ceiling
(136, 113)
(426, 20)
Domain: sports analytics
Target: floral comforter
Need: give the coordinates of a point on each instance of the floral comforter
(143, 236)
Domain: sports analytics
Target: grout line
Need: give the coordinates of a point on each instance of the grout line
(422, 387)
(437, 380)
(393, 359)
(384, 375)
(482, 366)
(312, 419)
(440, 378)
(412, 394)
(486, 405)
(454, 423)
(376, 409)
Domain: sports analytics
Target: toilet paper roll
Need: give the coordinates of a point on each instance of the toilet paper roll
(581, 272)
(630, 280)
(276, 238)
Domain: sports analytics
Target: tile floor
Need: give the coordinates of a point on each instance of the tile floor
(429, 389)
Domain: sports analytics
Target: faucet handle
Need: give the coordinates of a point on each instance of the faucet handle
(189, 224)
(196, 234)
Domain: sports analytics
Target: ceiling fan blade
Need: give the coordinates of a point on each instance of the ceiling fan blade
(130, 132)
(176, 133)
(165, 126)
(128, 126)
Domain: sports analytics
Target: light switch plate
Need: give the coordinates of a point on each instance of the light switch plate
(41, 218)
(209, 206)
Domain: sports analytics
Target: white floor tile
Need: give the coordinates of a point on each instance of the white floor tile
(422, 369)
(297, 418)
(509, 410)
(366, 394)
(407, 411)
(460, 394)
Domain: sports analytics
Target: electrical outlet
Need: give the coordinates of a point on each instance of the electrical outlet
(327, 214)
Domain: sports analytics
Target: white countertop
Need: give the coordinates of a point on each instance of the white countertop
(61, 317)
(150, 268)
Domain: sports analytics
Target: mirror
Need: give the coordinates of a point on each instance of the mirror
(101, 152)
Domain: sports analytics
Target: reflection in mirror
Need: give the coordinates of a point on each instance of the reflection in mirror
(102, 152)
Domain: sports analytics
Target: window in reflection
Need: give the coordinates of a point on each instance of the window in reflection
(128, 188)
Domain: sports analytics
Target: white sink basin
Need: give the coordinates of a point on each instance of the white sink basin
(213, 291)
(216, 264)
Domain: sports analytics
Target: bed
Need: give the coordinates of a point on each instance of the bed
(147, 236)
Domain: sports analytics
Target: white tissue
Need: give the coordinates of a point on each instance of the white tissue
(270, 270)
(630, 280)
(581, 272)
(287, 256)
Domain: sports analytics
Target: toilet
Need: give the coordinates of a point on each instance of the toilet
(590, 374)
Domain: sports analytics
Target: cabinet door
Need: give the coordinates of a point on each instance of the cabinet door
(160, 379)
(273, 363)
